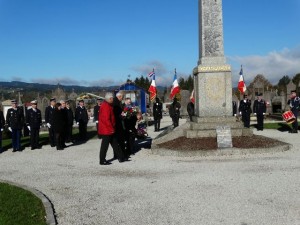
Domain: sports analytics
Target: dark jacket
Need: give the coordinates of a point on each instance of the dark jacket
(81, 115)
(259, 107)
(174, 109)
(245, 107)
(2, 120)
(70, 116)
(59, 120)
(49, 114)
(157, 110)
(96, 112)
(34, 118)
(191, 109)
(15, 118)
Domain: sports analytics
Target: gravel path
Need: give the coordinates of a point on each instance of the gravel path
(242, 190)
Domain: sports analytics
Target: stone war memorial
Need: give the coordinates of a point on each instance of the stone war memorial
(212, 80)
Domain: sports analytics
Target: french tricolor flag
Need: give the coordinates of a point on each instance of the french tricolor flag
(152, 89)
(175, 87)
(241, 85)
(151, 73)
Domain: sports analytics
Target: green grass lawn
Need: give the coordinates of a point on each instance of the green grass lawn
(20, 207)
(281, 126)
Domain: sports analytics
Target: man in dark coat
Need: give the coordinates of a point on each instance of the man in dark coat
(34, 123)
(259, 110)
(157, 114)
(49, 121)
(15, 122)
(130, 129)
(70, 122)
(245, 110)
(2, 124)
(96, 111)
(120, 128)
(59, 125)
(174, 110)
(294, 103)
(81, 117)
(191, 109)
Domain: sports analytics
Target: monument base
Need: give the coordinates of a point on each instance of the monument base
(207, 127)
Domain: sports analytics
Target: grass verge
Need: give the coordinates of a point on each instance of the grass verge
(20, 207)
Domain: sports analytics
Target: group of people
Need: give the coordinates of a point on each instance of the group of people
(260, 107)
(59, 119)
(118, 124)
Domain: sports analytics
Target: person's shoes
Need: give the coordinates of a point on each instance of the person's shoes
(105, 163)
(32, 148)
(52, 145)
(14, 150)
(59, 149)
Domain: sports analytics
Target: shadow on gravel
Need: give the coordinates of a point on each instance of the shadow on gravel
(284, 127)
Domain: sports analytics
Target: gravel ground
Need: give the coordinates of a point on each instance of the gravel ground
(242, 190)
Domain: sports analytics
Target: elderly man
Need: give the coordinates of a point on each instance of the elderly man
(34, 122)
(107, 130)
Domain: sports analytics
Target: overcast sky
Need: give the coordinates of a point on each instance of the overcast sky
(102, 42)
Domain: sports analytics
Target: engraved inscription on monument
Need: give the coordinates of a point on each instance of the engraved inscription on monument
(224, 138)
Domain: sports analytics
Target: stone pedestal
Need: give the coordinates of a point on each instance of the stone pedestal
(206, 127)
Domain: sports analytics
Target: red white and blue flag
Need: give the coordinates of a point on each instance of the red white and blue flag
(241, 85)
(151, 73)
(152, 89)
(175, 87)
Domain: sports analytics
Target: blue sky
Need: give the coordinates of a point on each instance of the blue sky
(101, 42)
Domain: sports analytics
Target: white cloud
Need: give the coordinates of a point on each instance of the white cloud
(273, 66)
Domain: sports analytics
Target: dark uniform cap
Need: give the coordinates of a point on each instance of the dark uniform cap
(52, 99)
(260, 94)
(99, 99)
(81, 100)
(13, 101)
(34, 102)
(293, 91)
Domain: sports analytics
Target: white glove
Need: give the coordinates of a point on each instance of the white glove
(1, 129)
(10, 129)
(255, 114)
(77, 123)
(28, 128)
(48, 125)
(96, 121)
(264, 114)
(241, 113)
(234, 114)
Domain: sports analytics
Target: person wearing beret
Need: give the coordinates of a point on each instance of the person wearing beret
(294, 103)
(34, 123)
(49, 117)
(15, 122)
(259, 110)
(245, 111)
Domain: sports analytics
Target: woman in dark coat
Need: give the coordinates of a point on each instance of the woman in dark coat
(59, 123)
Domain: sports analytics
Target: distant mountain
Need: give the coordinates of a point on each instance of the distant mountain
(23, 86)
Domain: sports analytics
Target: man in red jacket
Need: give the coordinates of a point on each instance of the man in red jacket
(106, 128)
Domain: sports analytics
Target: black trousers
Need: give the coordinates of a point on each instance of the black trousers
(82, 130)
(0, 141)
(157, 124)
(175, 120)
(112, 140)
(260, 121)
(59, 140)
(130, 140)
(295, 124)
(51, 137)
(246, 119)
(69, 133)
(34, 137)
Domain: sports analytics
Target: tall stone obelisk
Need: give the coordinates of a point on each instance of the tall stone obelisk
(212, 78)
(213, 88)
